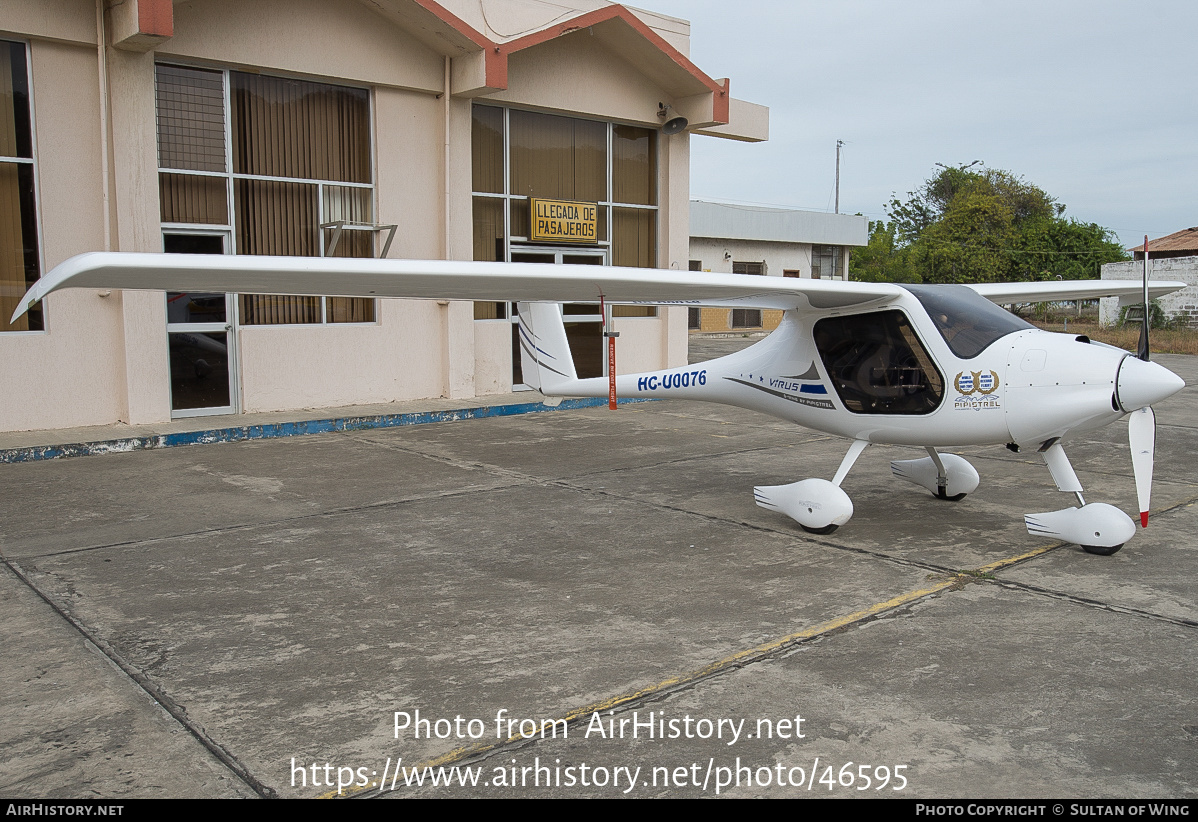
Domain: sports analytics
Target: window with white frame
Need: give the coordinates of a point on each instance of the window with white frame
(19, 263)
(270, 159)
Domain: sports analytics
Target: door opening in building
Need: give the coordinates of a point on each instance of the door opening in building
(200, 339)
(584, 323)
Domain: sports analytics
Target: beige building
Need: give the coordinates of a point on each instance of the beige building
(401, 128)
(773, 242)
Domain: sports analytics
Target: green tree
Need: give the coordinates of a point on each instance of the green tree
(1068, 249)
(989, 225)
(883, 260)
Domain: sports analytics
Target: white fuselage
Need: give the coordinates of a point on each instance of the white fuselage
(1025, 387)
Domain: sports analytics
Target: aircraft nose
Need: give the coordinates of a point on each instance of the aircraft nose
(1143, 383)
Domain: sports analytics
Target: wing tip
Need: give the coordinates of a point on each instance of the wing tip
(23, 307)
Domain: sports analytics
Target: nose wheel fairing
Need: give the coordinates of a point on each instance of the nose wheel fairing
(1098, 528)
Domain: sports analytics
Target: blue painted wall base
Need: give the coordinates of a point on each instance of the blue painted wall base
(289, 429)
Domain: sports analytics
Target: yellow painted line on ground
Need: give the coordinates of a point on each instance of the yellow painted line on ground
(740, 658)
(744, 657)
(1003, 563)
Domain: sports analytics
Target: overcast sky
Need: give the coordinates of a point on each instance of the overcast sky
(1094, 101)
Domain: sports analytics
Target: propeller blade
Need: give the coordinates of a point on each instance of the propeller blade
(1141, 435)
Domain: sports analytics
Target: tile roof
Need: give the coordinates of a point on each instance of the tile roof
(1184, 240)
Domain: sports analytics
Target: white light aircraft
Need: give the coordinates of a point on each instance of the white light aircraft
(936, 367)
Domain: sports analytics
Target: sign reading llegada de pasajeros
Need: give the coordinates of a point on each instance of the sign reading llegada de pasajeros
(564, 221)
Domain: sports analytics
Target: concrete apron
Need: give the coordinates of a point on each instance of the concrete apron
(215, 621)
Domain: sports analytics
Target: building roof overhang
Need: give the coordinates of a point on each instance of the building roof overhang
(702, 100)
(479, 64)
(728, 221)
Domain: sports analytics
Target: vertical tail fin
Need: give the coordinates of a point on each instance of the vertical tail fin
(545, 357)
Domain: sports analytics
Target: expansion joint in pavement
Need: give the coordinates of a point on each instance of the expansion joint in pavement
(147, 686)
(987, 572)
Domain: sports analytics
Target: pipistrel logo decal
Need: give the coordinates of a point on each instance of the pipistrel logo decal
(976, 390)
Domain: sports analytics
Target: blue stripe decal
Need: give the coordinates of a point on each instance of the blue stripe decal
(291, 429)
(812, 389)
(524, 347)
(532, 342)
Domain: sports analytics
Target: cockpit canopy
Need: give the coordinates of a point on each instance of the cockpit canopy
(968, 321)
(878, 364)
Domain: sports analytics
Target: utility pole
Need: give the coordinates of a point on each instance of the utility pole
(839, 143)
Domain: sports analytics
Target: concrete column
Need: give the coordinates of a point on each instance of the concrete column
(134, 218)
(674, 237)
(459, 245)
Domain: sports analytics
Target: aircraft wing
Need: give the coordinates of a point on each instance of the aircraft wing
(457, 280)
(1128, 291)
(446, 280)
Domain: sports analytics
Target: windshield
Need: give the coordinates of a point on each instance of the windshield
(967, 320)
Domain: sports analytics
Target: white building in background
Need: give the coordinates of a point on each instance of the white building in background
(773, 242)
(406, 128)
(1173, 257)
